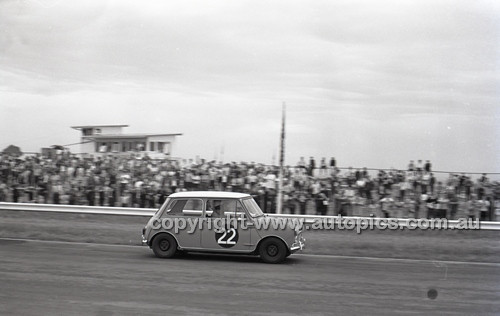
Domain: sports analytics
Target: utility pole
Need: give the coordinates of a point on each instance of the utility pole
(279, 208)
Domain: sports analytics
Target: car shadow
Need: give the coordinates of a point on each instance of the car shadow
(201, 256)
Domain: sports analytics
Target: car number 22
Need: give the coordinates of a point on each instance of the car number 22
(227, 238)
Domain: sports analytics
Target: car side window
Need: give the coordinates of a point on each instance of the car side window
(224, 208)
(228, 207)
(186, 207)
(214, 208)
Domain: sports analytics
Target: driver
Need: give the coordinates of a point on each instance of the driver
(215, 207)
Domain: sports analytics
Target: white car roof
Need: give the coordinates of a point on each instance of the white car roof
(209, 194)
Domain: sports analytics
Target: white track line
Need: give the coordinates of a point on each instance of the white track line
(67, 242)
(401, 260)
(295, 255)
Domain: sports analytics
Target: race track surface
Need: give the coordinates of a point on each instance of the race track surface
(64, 278)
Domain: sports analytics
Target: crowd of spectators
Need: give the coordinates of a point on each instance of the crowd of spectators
(325, 189)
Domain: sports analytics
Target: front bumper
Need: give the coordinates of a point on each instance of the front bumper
(299, 244)
(144, 239)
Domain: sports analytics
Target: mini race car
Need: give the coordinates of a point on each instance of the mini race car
(222, 222)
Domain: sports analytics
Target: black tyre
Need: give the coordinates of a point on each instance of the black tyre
(272, 250)
(164, 246)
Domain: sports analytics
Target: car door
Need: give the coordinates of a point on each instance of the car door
(222, 230)
(245, 229)
(183, 216)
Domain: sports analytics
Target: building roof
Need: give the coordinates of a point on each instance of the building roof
(102, 136)
(92, 126)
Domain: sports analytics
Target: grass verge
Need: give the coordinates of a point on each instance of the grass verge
(446, 245)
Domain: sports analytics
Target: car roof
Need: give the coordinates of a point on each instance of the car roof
(209, 194)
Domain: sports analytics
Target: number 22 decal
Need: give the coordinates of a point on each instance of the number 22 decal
(231, 235)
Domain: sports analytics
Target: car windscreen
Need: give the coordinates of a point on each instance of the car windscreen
(163, 207)
(252, 207)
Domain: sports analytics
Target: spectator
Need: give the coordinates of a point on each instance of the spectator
(322, 203)
(369, 186)
(386, 204)
(302, 200)
(480, 189)
(472, 206)
(289, 200)
(323, 167)
(57, 191)
(125, 198)
(411, 166)
(453, 204)
(404, 187)
(131, 181)
(425, 182)
(302, 164)
(432, 182)
(333, 163)
(315, 190)
(420, 166)
(3, 192)
(484, 179)
(427, 166)
(430, 202)
(312, 166)
(484, 209)
(360, 184)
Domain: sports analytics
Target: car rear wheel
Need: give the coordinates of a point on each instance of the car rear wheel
(272, 250)
(164, 246)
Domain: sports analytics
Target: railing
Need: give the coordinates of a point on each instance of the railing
(82, 209)
(128, 211)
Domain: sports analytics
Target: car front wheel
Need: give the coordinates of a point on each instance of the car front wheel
(164, 246)
(272, 250)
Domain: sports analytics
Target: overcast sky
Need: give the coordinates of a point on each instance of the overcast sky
(372, 83)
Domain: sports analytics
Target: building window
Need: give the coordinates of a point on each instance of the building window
(87, 131)
(103, 148)
(152, 146)
(160, 146)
